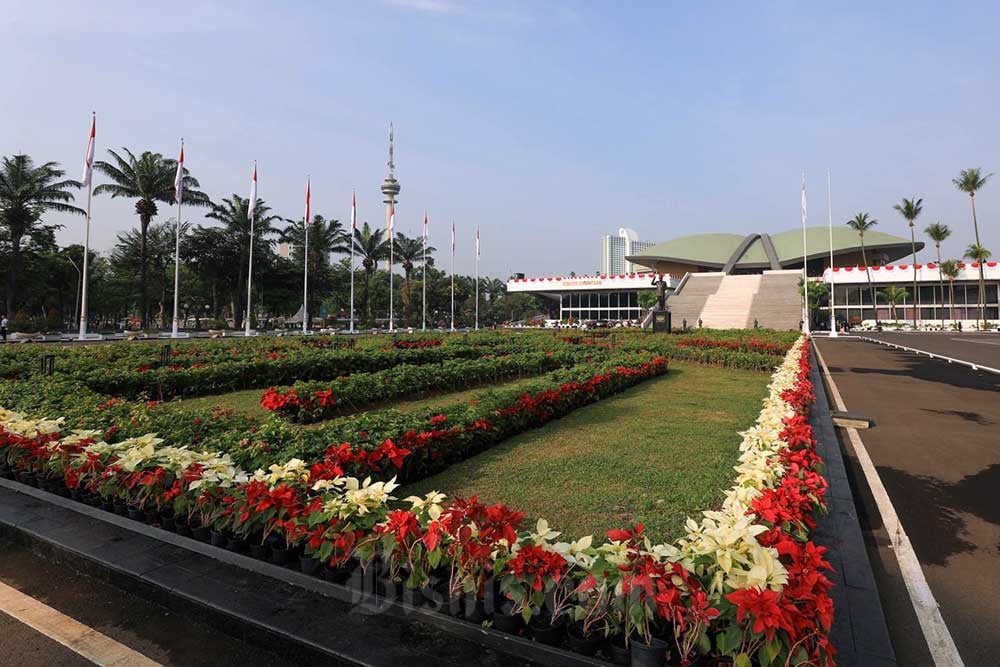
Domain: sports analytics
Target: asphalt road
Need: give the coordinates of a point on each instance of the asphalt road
(152, 630)
(936, 447)
(982, 348)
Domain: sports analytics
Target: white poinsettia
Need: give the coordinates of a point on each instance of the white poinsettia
(430, 504)
(543, 534)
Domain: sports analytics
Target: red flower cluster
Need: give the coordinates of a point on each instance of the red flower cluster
(533, 565)
(416, 344)
(752, 345)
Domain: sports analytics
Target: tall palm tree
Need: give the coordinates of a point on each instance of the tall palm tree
(893, 294)
(978, 253)
(372, 246)
(971, 181)
(949, 269)
(232, 213)
(148, 179)
(938, 233)
(326, 236)
(26, 193)
(862, 223)
(410, 252)
(910, 209)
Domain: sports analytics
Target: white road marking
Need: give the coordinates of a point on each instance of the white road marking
(79, 638)
(936, 634)
(933, 355)
(981, 342)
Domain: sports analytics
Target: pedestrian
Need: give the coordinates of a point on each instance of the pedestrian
(3, 328)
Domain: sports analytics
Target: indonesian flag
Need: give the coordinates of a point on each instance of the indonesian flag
(392, 218)
(307, 199)
(179, 177)
(477, 241)
(425, 229)
(88, 161)
(453, 238)
(252, 202)
(354, 213)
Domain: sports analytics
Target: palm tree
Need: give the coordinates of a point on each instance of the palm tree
(148, 179)
(27, 192)
(971, 181)
(372, 246)
(326, 236)
(862, 223)
(232, 213)
(410, 252)
(938, 233)
(949, 269)
(910, 210)
(978, 253)
(894, 294)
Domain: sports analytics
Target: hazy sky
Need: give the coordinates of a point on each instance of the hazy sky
(547, 123)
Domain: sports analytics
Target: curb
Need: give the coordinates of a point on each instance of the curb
(311, 620)
(859, 631)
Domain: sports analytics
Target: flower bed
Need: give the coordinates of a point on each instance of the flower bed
(306, 402)
(744, 582)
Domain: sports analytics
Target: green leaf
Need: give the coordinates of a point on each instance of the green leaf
(728, 640)
(433, 558)
(742, 660)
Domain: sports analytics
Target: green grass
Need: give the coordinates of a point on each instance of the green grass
(655, 454)
(245, 402)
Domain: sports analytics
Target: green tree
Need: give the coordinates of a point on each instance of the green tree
(326, 236)
(972, 181)
(938, 233)
(861, 223)
(27, 192)
(949, 269)
(148, 179)
(409, 252)
(232, 213)
(910, 210)
(894, 294)
(978, 253)
(372, 246)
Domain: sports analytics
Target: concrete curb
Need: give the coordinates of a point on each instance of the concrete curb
(859, 631)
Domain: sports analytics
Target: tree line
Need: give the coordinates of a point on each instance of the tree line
(133, 284)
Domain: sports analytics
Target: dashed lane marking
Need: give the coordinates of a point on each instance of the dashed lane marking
(79, 638)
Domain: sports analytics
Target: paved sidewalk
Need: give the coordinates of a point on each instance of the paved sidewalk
(937, 450)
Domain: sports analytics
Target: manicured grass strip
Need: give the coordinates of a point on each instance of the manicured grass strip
(654, 454)
(246, 402)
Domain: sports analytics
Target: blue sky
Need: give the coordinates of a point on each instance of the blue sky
(547, 123)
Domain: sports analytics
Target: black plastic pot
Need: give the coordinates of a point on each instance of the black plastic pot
(509, 623)
(135, 513)
(27, 477)
(236, 544)
(201, 533)
(653, 654)
(280, 554)
(584, 644)
(545, 632)
(475, 610)
(259, 551)
(617, 651)
(218, 538)
(167, 523)
(6, 472)
(75, 495)
(107, 506)
(453, 606)
(308, 565)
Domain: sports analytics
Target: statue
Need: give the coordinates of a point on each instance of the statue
(661, 291)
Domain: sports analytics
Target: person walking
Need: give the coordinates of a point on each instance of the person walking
(3, 328)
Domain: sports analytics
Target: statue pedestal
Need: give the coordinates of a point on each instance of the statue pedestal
(661, 321)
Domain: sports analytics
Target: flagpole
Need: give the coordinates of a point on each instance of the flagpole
(305, 264)
(829, 213)
(354, 230)
(452, 276)
(179, 195)
(423, 324)
(805, 274)
(86, 242)
(477, 277)
(252, 205)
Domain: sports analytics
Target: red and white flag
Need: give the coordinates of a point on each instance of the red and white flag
(477, 241)
(425, 229)
(179, 176)
(392, 219)
(307, 200)
(252, 202)
(453, 238)
(88, 161)
(354, 213)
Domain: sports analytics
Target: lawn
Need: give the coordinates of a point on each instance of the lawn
(653, 454)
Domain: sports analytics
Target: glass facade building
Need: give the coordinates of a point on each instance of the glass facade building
(604, 305)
